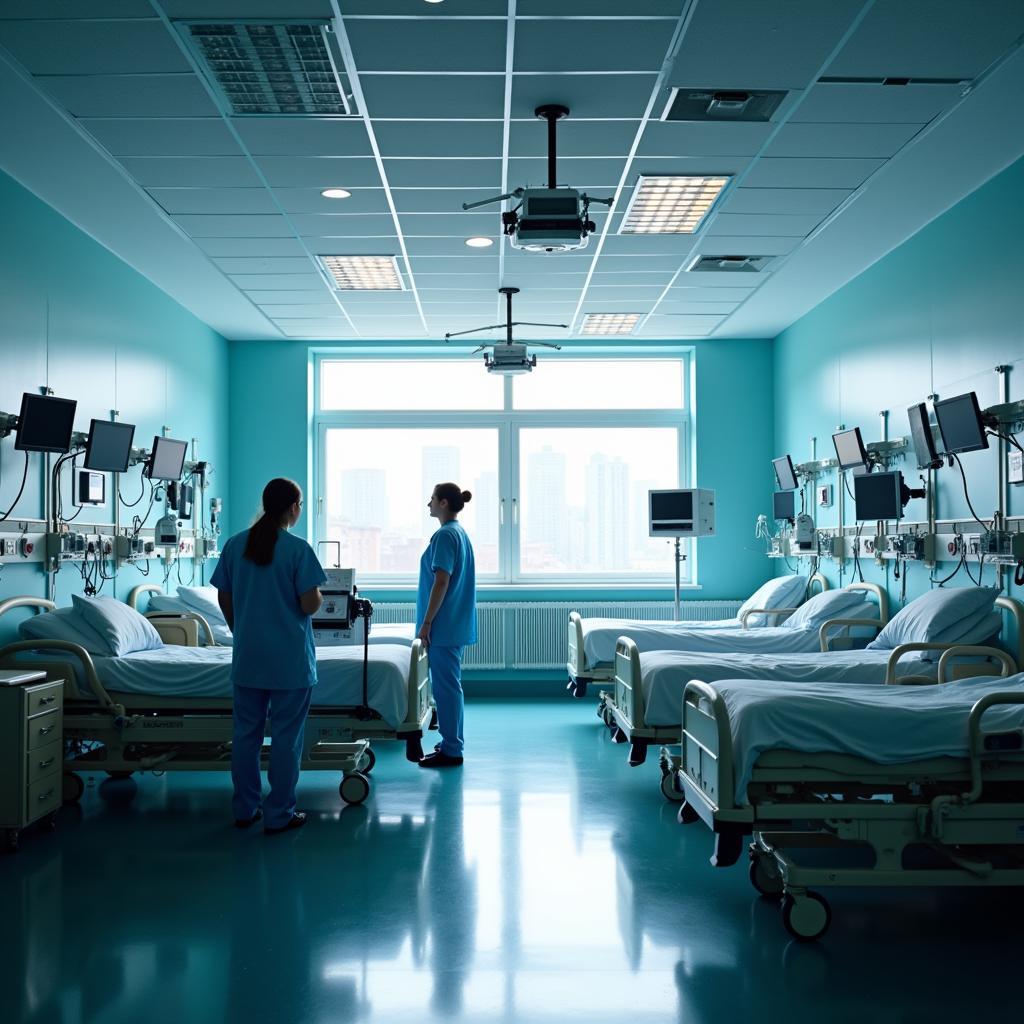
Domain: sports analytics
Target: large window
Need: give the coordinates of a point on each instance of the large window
(559, 462)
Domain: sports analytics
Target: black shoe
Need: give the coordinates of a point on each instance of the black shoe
(298, 820)
(246, 822)
(439, 759)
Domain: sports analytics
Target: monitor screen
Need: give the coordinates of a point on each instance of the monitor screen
(784, 475)
(921, 437)
(45, 424)
(784, 505)
(960, 424)
(850, 448)
(877, 495)
(167, 460)
(109, 446)
(671, 505)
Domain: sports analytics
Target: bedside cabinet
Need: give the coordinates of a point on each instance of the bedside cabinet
(31, 752)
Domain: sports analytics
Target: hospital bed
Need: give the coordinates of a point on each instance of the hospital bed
(183, 623)
(889, 786)
(592, 641)
(643, 708)
(170, 709)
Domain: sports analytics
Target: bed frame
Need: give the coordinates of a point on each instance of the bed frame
(624, 712)
(121, 733)
(838, 802)
(581, 674)
(182, 629)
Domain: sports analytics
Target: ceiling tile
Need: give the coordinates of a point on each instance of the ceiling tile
(600, 45)
(251, 246)
(278, 282)
(64, 10)
(439, 138)
(433, 96)
(841, 140)
(798, 225)
(575, 171)
(449, 173)
(851, 103)
(304, 136)
(180, 95)
(231, 9)
(614, 263)
(309, 200)
(277, 298)
(214, 200)
(167, 136)
(817, 202)
(667, 306)
(782, 172)
(440, 200)
(457, 223)
(195, 172)
(263, 264)
(311, 310)
(346, 246)
(690, 293)
(319, 172)
(427, 44)
(669, 139)
(586, 96)
(344, 225)
(235, 226)
(574, 138)
(748, 245)
(447, 267)
(642, 245)
(667, 9)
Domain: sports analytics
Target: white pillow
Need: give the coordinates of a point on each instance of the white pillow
(166, 603)
(64, 624)
(832, 604)
(942, 616)
(122, 629)
(204, 601)
(781, 592)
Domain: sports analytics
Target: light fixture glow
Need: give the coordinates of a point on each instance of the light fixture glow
(671, 204)
(610, 323)
(364, 273)
(336, 193)
(479, 242)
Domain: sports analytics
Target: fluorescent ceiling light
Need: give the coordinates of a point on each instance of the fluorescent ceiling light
(364, 273)
(479, 242)
(671, 204)
(336, 193)
(610, 323)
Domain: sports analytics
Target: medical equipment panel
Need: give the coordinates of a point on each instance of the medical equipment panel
(784, 474)
(921, 437)
(45, 424)
(850, 450)
(89, 488)
(167, 459)
(342, 618)
(961, 424)
(877, 495)
(682, 513)
(109, 446)
(784, 506)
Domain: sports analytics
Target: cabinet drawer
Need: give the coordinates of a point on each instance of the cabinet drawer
(42, 762)
(43, 797)
(42, 730)
(42, 698)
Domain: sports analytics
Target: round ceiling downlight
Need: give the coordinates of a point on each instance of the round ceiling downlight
(336, 193)
(479, 242)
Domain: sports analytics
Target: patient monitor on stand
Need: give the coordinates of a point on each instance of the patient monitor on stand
(681, 513)
(343, 618)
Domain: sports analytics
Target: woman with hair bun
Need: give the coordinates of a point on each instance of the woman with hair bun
(446, 618)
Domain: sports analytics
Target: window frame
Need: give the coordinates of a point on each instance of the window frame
(509, 422)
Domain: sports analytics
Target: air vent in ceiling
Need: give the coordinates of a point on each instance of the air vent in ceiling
(291, 68)
(721, 105)
(729, 264)
(892, 80)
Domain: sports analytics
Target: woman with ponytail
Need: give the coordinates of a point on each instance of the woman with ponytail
(446, 617)
(268, 586)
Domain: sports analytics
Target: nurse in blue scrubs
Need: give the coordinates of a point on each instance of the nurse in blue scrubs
(268, 586)
(446, 618)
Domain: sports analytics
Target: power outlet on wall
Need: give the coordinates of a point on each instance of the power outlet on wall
(1015, 468)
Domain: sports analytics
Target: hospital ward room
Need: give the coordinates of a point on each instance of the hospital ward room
(511, 511)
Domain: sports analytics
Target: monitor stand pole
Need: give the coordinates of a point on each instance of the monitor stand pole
(679, 559)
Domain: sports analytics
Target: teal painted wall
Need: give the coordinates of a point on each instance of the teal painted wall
(935, 316)
(77, 318)
(270, 400)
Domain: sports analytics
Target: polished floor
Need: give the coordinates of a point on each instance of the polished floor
(543, 881)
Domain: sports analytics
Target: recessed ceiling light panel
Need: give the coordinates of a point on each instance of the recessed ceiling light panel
(610, 323)
(364, 273)
(671, 204)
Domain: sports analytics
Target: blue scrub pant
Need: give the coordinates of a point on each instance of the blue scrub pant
(288, 710)
(445, 665)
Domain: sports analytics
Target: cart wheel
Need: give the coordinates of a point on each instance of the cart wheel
(11, 837)
(669, 790)
(414, 749)
(807, 916)
(354, 788)
(371, 760)
(73, 788)
(686, 814)
(120, 775)
(764, 876)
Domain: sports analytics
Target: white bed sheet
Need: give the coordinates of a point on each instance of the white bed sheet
(599, 635)
(664, 674)
(883, 724)
(206, 672)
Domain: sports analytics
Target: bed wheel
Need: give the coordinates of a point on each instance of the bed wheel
(73, 788)
(354, 788)
(637, 754)
(577, 688)
(413, 749)
(728, 847)
(806, 916)
(764, 875)
(669, 790)
(686, 815)
(371, 760)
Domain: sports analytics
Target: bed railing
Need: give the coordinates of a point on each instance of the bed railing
(576, 664)
(418, 696)
(1015, 610)
(881, 597)
(629, 693)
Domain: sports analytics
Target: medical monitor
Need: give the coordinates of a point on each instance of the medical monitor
(850, 449)
(167, 460)
(921, 437)
(784, 474)
(877, 496)
(960, 424)
(682, 513)
(784, 506)
(109, 446)
(45, 424)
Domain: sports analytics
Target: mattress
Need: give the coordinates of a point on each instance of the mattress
(206, 672)
(887, 725)
(599, 635)
(664, 674)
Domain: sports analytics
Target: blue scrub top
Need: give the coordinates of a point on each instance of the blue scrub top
(455, 623)
(273, 637)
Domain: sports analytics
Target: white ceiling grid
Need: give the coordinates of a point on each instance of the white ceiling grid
(446, 94)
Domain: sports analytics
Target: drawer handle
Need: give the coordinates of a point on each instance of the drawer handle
(43, 797)
(45, 731)
(46, 764)
(46, 700)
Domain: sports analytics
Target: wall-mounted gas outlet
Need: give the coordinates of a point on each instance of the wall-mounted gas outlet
(825, 496)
